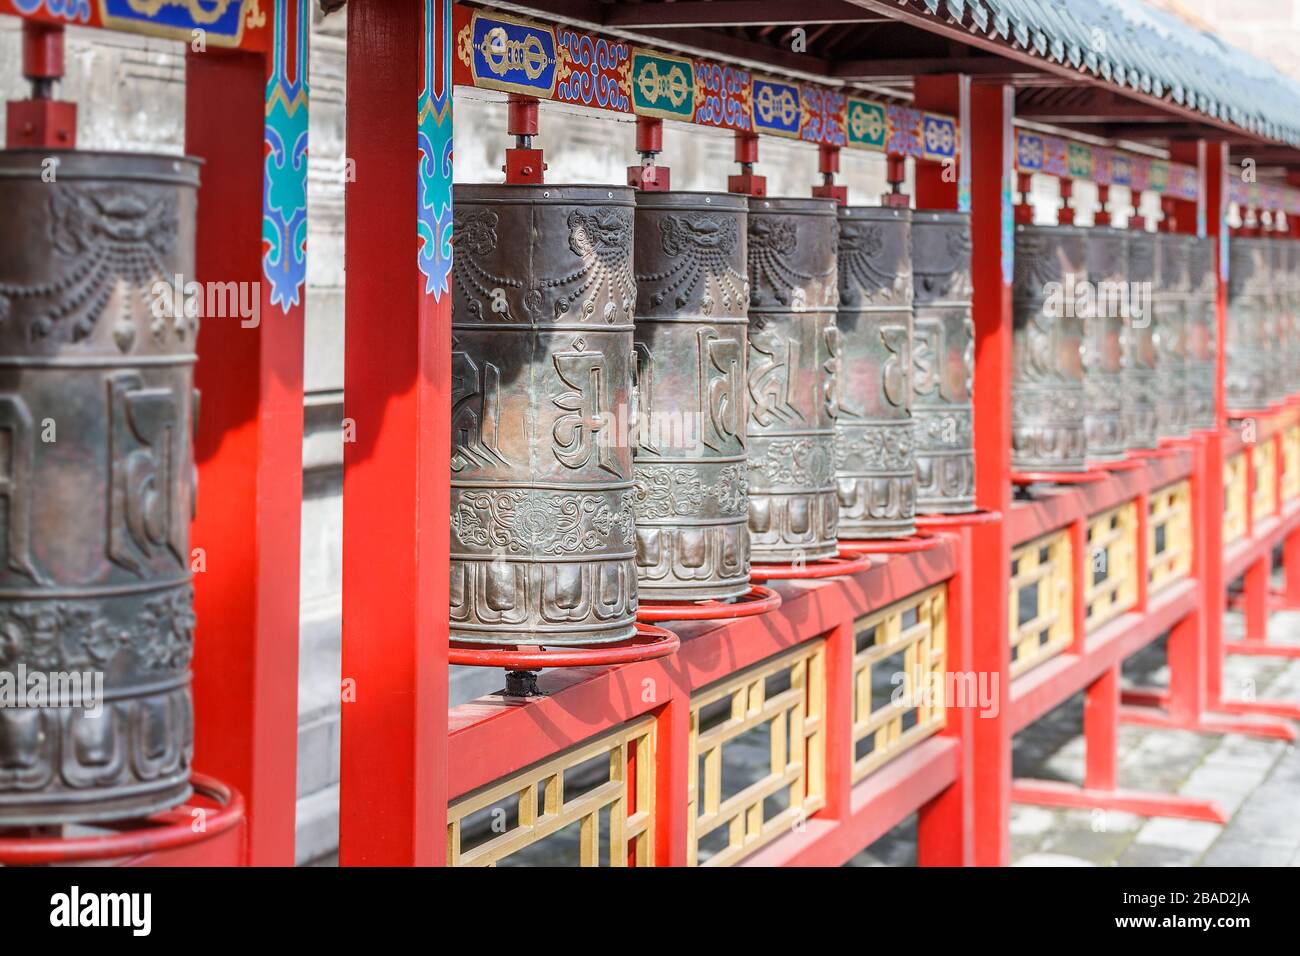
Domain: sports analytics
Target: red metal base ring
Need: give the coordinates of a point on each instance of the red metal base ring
(909, 545)
(1165, 451)
(966, 519)
(759, 600)
(220, 808)
(650, 642)
(1057, 477)
(838, 566)
(1121, 464)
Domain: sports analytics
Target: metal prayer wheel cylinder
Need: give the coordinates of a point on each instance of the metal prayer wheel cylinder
(1244, 376)
(543, 541)
(794, 358)
(97, 412)
(943, 362)
(1200, 334)
(874, 466)
(1047, 389)
(1278, 324)
(1103, 355)
(1292, 287)
(692, 316)
(1141, 388)
(1171, 301)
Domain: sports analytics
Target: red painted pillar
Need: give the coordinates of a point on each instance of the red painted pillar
(992, 169)
(248, 451)
(1255, 598)
(396, 473)
(1212, 159)
(945, 825)
(1291, 569)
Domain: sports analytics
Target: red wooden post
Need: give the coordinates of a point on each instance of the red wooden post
(247, 118)
(992, 171)
(945, 825)
(1213, 159)
(396, 472)
(1291, 569)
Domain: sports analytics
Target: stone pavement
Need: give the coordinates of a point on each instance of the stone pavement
(1255, 780)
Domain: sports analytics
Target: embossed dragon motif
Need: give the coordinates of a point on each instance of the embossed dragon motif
(862, 265)
(772, 244)
(940, 259)
(703, 247)
(603, 241)
(107, 237)
(475, 235)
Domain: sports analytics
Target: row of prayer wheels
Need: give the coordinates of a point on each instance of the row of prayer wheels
(651, 389)
(1263, 331)
(1114, 346)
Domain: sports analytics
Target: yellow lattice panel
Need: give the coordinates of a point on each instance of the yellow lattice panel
(1169, 535)
(1234, 498)
(1291, 463)
(597, 798)
(1041, 624)
(776, 707)
(1265, 459)
(1112, 575)
(900, 657)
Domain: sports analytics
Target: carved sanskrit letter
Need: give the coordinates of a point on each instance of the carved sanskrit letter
(475, 413)
(927, 353)
(894, 378)
(584, 429)
(146, 448)
(720, 389)
(16, 483)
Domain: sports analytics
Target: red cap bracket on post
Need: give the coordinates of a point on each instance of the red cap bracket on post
(41, 122)
(524, 165)
(649, 143)
(895, 175)
(828, 164)
(747, 155)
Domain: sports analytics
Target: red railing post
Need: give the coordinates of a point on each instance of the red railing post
(397, 372)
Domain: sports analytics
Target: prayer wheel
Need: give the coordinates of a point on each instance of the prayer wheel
(1047, 389)
(794, 360)
(874, 464)
(1103, 357)
(1141, 389)
(1200, 334)
(943, 362)
(543, 540)
(692, 539)
(1172, 301)
(97, 408)
(1245, 375)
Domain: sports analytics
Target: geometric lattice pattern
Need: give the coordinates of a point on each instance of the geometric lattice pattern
(1042, 589)
(1169, 535)
(1234, 498)
(596, 798)
(1112, 575)
(1264, 456)
(898, 678)
(778, 708)
(1291, 463)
